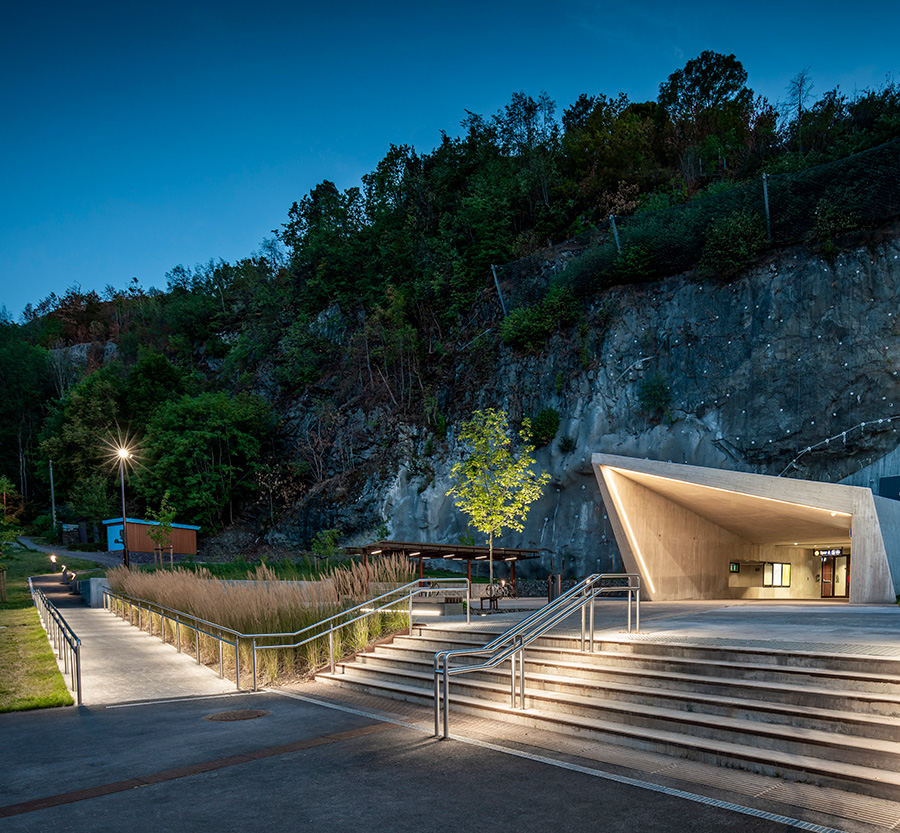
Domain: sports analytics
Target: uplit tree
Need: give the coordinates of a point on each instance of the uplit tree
(161, 532)
(495, 482)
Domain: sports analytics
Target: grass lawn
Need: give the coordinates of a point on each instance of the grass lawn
(29, 675)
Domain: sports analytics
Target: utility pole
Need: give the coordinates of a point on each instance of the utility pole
(52, 500)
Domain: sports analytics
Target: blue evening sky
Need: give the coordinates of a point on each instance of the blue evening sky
(141, 136)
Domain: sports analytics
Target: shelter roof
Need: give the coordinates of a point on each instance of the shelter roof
(417, 549)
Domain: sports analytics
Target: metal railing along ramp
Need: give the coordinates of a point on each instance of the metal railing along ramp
(511, 644)
(63, 639)
(398, 600)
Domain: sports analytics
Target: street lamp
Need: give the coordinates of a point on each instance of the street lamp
(124, 454)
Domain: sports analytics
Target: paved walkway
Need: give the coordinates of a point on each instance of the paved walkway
(330, 760)
(119, 663)
(108, 559)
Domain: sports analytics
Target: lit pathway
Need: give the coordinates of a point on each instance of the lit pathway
(121, 664)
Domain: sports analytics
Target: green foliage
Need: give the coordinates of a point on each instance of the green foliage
(831, 221)
(567, 445)
(324, 544)
(529, 328)
(92, 497)
(654, 395)
(494, 482)
(25, 391)
(204, 451)
(164, 517)
(77, 432)
(732, 244)
(544, 427)
(150, 384)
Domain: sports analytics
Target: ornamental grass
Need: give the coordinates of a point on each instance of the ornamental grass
(265, 604)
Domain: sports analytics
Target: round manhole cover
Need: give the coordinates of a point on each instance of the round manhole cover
(237, 714)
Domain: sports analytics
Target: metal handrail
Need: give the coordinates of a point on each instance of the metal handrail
(62, 637)
(514, 641)
(329, 625)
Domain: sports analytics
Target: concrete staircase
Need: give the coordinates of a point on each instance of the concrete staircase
(828, 719)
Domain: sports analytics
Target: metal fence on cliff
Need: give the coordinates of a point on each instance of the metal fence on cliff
(718, 232)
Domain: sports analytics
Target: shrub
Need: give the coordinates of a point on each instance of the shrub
(654, 394)
(732, 244)
(567, 445)
(544, 427)
(529, 328)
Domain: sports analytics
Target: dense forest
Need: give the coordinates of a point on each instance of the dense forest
(371, 295)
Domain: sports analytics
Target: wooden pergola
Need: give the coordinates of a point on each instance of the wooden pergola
(452, 552)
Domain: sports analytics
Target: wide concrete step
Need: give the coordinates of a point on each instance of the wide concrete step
(718, 670)
(848, 709)
(860, 662)
(866, 739)
(866, 777)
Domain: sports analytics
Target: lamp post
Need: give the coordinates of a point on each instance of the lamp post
(124, 454)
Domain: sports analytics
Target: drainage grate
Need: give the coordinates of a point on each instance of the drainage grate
(236, 714)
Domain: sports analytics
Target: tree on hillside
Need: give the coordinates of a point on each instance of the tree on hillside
(204, 450)
(708, 104)
(494, 481)
(799, 91)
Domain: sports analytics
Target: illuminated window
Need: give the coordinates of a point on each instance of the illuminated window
(776, 575)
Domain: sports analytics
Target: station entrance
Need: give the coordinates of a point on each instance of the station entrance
(835, 573)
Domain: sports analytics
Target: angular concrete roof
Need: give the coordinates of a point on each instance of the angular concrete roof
(675, 523)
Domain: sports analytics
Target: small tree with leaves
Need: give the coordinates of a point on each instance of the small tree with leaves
(161, 533)
(8, 490)
(495, 482)
(9, 532)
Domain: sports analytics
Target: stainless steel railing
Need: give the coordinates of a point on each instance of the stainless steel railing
(63, 639)
(394, 600)
(511, 644)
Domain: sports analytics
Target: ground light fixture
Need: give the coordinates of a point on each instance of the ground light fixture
(53, 562)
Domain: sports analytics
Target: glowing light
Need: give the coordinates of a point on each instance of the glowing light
(632, 540)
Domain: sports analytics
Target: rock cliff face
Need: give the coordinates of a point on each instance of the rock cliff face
(791, 370)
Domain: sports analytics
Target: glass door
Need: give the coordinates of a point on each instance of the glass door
(835, 576)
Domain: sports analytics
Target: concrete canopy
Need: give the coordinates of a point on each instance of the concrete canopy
(681, 527)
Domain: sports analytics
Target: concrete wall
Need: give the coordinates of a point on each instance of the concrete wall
(683, 555)
(806, 575)
(686, 557)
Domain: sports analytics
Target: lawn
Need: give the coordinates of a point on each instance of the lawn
(29, 675)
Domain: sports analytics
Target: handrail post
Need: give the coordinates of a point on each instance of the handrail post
(237, 663)
(468, 603)
(177, 634)
(512, 680)
(197, 642)
(437, 694)
(637, 606)
(522, 672)
(582, 627)
(630, 597)
(221, 662)
(593, 599)
(253, 646)
(446, 683)
(331, 649)
(78, 669)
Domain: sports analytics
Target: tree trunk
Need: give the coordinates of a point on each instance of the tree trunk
(491, 556)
